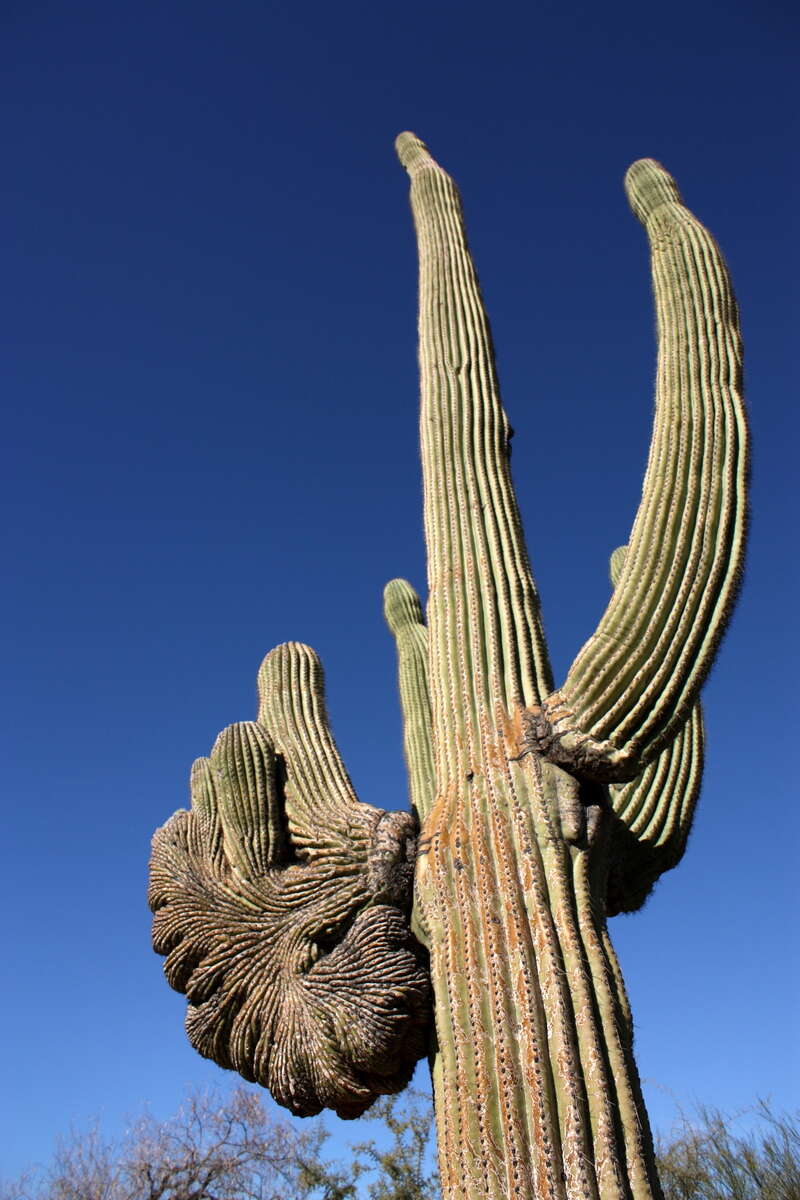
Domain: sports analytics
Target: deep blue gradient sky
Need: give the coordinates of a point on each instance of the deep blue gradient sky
(209, 364)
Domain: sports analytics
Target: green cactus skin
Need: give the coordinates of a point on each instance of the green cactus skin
(536, 1088)
(282, 902)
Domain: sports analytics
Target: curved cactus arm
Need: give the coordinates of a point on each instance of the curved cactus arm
(653, 812)
(403, 612)
(281, 904)
(486, 647)
(635, 680)
(655, 815)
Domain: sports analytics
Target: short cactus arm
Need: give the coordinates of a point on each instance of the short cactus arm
(487, 650)
(403, 612)
(653, 812)
(635, 680)
(320, 797)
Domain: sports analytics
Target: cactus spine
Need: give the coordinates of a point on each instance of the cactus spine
(281, 899)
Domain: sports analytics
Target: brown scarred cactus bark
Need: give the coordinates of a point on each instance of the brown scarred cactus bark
(283, 904)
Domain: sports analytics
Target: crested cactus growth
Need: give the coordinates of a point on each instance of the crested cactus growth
(283, 904)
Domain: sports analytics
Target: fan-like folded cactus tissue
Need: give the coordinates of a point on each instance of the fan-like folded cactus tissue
(324, 945)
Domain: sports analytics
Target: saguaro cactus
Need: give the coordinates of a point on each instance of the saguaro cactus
(284, 905)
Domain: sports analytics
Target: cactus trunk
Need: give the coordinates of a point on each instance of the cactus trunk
(535, 1087)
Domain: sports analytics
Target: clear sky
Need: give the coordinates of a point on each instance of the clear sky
(209, 362)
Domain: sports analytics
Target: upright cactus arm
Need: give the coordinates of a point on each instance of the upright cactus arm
(653, 812)
(320, 802)
(487, 651)
(403, 612)
(636, 679)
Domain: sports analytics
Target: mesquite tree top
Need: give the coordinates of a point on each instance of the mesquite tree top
(286, 907)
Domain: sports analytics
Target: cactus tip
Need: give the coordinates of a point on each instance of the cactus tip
(648, 185)
(401, 605)
(412, 152)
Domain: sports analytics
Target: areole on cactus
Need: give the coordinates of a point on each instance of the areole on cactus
(324, 945)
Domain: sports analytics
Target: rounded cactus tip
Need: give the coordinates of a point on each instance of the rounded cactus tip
(401, 605)
(648, 185)
(412, 152)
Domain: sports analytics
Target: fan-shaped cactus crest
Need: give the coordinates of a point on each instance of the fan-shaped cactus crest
(324, 945)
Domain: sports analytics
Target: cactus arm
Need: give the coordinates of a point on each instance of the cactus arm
(403, 612)
(634, 682)
(320, 799)
(243, 759)
(486, 646)
(654, 812)
(281, 904)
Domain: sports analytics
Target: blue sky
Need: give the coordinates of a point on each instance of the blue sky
(210, 377)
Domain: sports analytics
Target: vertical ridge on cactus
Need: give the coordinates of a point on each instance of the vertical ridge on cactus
(310, 931)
